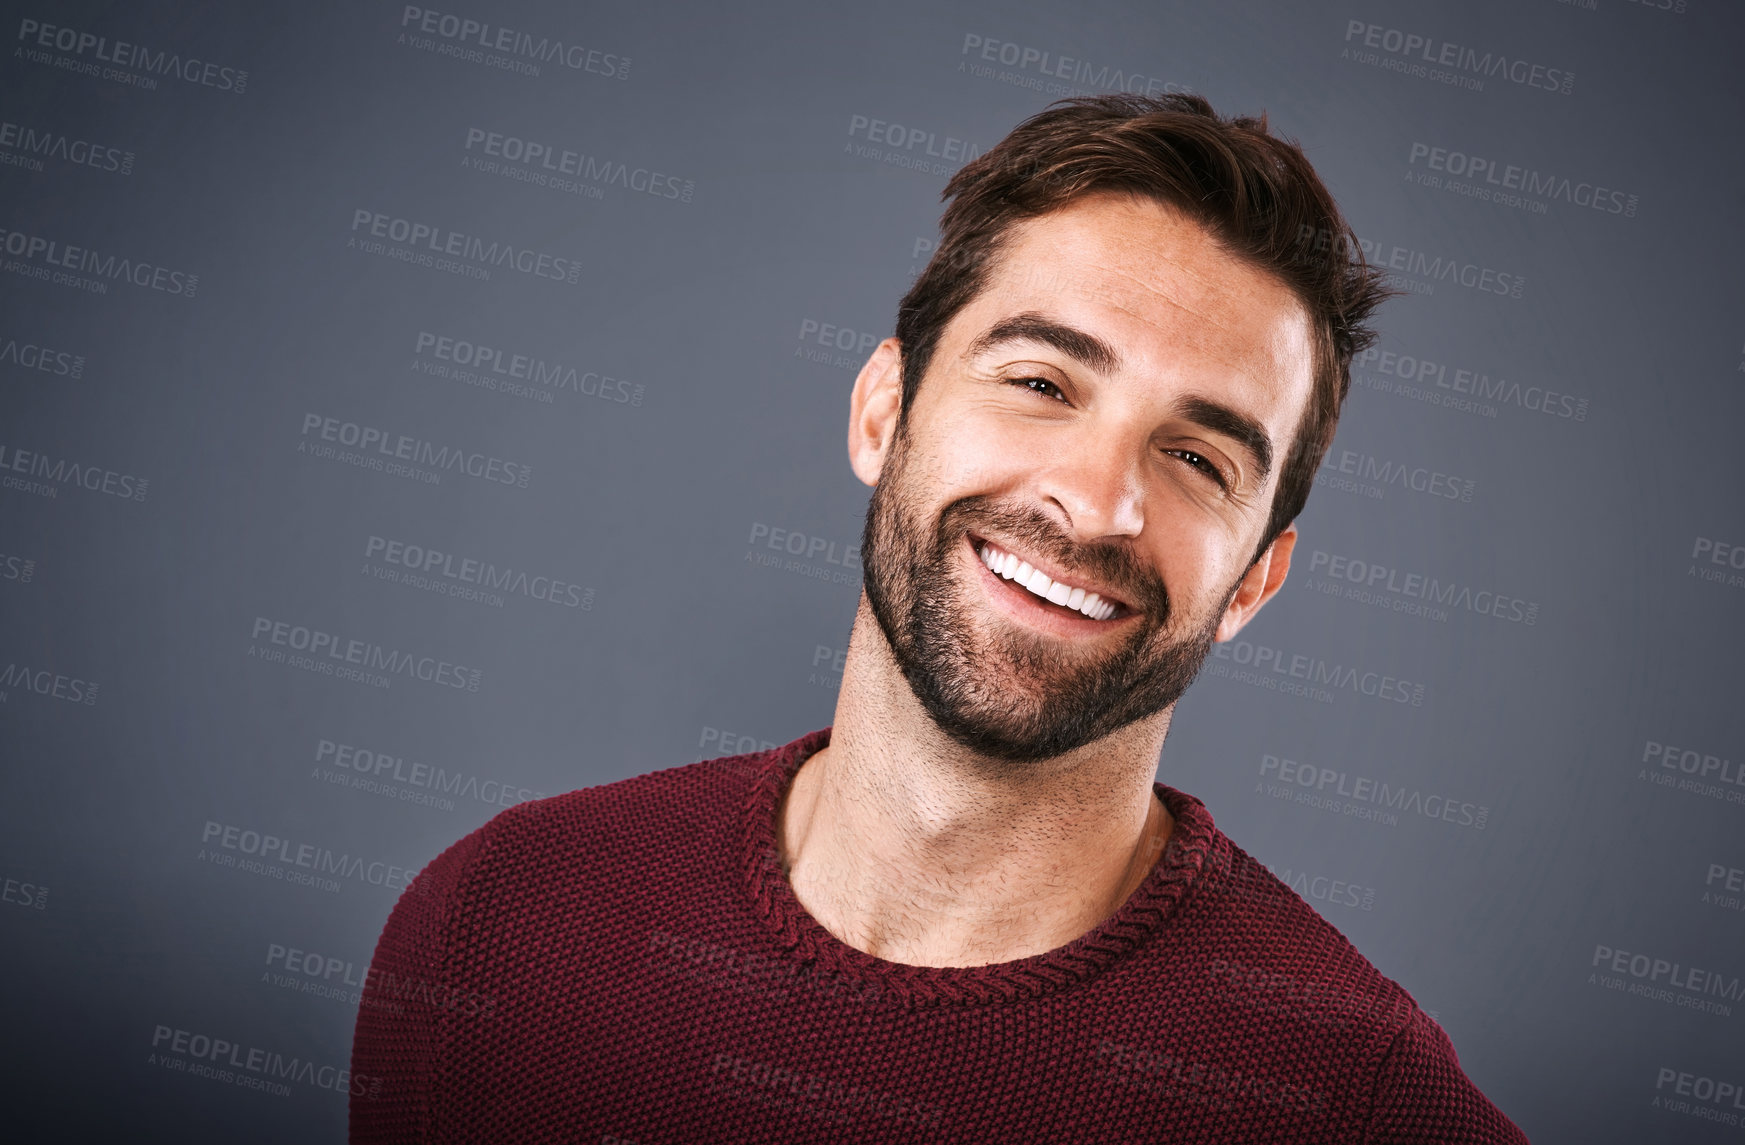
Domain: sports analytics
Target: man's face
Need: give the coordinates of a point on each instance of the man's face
(1106, 419)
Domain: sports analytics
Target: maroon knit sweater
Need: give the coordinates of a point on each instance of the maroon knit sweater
(628, 963)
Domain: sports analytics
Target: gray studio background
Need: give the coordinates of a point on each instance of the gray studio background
(251, 255)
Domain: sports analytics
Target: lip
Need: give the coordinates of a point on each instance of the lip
(1031, 610)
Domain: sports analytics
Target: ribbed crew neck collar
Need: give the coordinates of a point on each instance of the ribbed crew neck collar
(802, 937)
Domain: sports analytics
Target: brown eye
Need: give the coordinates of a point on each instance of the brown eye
(1200, 463)
(1040, 386)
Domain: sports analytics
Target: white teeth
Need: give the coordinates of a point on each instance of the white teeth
(1038, 582)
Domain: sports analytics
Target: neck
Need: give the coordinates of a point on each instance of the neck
(908, 846)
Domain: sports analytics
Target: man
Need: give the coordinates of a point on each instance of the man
(968, 912)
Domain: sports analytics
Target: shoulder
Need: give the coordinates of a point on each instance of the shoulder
(1282, 972)
(1422, 1088)
(1270, 954)
(672, 839)
(695, 808)
(688, 797)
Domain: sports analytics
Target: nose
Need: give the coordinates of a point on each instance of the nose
(1096, 483)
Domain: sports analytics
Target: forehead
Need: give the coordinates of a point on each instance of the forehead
(1156, 285)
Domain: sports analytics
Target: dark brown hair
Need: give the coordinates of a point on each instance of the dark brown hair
(1254, 192)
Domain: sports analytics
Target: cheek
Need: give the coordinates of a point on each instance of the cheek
(1199, 562)
(1197, 527)
(1185, 578)
(978, 455)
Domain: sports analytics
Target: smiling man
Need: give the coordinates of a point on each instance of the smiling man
(968, 911)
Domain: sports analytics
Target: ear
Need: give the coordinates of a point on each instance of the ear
(1264, 578)
(873, 409)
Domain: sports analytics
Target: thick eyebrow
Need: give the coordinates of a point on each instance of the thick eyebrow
(1220, 418)
(1031, 326)
(1103, 358)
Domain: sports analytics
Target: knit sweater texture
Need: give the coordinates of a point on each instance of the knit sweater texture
(629, 964)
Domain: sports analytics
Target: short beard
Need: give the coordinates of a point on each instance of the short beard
(1013, 697)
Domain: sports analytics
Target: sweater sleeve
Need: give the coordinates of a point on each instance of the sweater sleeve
(1423, 1095)
(395, 1050)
